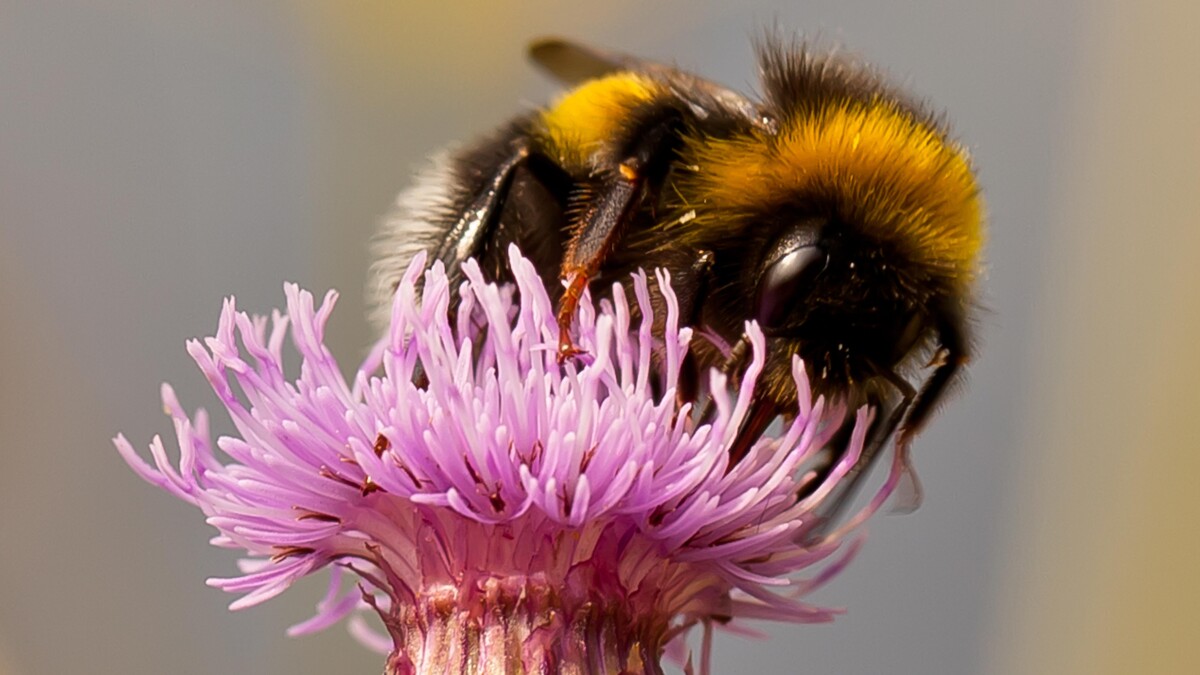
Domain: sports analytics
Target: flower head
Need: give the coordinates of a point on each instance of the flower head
(491, 503)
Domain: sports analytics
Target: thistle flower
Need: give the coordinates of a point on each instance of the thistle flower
(500, 512)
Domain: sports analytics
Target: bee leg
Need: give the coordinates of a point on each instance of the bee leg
(949, 362)
(762, 412)
(605, 216)
(467, 237)
(760, 415)
(470, 233)
(733, 365)
(587, 250)
(906, 420)
(879, 435)
(691, 296)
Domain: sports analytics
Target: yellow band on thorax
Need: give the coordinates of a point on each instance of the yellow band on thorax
(578, 125)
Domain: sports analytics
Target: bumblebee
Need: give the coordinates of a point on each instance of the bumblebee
(834, 211)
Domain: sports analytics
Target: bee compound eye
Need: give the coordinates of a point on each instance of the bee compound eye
(784, 278)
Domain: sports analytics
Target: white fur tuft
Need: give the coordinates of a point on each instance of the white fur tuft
(419, 219)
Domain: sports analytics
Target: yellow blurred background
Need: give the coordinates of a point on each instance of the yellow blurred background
(156, 156)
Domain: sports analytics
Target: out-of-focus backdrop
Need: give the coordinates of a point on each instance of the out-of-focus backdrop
(157, 155)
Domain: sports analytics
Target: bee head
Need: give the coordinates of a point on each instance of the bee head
(851, 307)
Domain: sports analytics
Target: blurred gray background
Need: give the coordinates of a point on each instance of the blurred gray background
(156, 156)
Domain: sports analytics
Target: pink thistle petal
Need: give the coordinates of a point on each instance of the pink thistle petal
(461, 457)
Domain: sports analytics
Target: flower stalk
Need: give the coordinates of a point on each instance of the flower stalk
(520, 625)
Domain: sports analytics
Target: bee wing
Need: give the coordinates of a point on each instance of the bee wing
(572, 63)
(908, 494)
